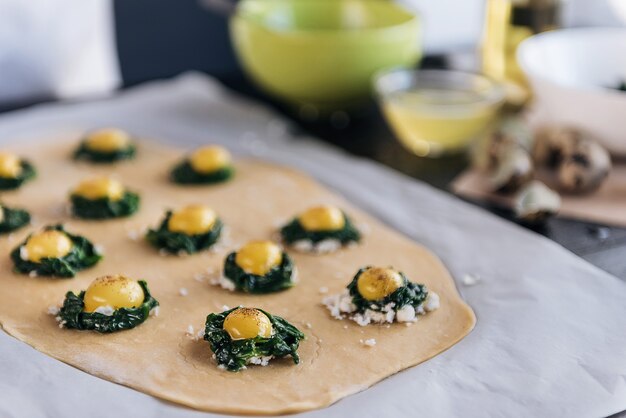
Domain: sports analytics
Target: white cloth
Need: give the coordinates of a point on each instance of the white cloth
(551, 330)
(59, 48)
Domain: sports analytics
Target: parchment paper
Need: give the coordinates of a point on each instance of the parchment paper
(551, 328)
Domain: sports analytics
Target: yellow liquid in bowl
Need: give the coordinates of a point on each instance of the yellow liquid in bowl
(436, 122)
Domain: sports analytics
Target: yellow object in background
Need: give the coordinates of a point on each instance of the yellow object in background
(100, 188)
(210, 159)
(113, 291)
(246, 323)
(507, 24)
(322, 218)
(259, 257)
(10, 165)
(108, 140)
(48, 244)
(192, 220)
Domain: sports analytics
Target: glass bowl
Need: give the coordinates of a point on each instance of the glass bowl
(437, 112)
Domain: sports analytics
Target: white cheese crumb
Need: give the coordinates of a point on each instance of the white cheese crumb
(432, 302)
(23, 253)
(105, 310)
(183, 291)
(260, 360)
(370, 342)
(33, 273)
(406, 314)
(154, 311)
(99, 249)
(308, 325)
(190, 331)
(53, 310)
(323, 290)
(210, 270)
(199, 277)
(323, 247)
(224, 283)
(133, 235)
(470, 279)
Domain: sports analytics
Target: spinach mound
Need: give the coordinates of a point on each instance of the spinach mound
(83, 152)
(278, 278)
(13, 219)
(74, 317)
(410, 294)
(234, 354)
(105, 208)
(82, 255)
(12, 183)
(294, 231)
(184, 173)
(173, 242)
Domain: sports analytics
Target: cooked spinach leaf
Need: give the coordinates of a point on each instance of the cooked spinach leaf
(83, 152)
(73, 316)
(82, 255)
(184, 173)
(175, 242)
(234, 354)
(294, 231)
(11, 183)
(410, 294)
(278, 278)
(105, 208)
(13, 219)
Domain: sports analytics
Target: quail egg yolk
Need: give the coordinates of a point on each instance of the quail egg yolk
(209, 159)
(48, 244)
(100, 187)
(245, 323)
(192, 220)
(259, 257)
(114, 291)
(10, 165)
(107, 140)
(376, 283)
(322, 218)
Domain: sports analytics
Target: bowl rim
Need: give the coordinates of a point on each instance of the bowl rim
(527, 45)
(413, 18)
(495, 97)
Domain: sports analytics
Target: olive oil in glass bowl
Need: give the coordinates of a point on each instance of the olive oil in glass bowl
(437, 112)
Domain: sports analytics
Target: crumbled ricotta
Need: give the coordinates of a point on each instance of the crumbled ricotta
(133, 235)
(99, 249)
(308, 325)
(183, 291)
(154, 311)
(341, 306)
(323, 247)
(224, 283)
(105, 310)
(53, 310)
(199, 277)
(323, 290)
(33, 273)
(260, 360)
(370, 342)
(24, 253)
(190, 331)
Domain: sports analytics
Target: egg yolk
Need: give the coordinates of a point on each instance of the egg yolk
(209, 159)
(100, 187)
(322, 218)
(48, 244)
(376, 283)
(192, 220)
(259, 257)
(114, 291)
(10, 165)
(107, 140)
(245, 323)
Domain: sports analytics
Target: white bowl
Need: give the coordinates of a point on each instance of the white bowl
(571, 72)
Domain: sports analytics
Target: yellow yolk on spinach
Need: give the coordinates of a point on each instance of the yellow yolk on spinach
(245, 323)
(115, 291)
(48, 244)
(259, 257)
(322, 218)
(209, 159)
(376, 283)
(107, 140)
(99, 188)
(10, 165)
(192, 220)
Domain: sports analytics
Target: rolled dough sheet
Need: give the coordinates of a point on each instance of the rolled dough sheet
(158, 357)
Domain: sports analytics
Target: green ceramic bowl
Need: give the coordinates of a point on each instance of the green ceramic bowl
(323, 52)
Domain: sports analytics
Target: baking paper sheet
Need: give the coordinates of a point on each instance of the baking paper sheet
(551, 328)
